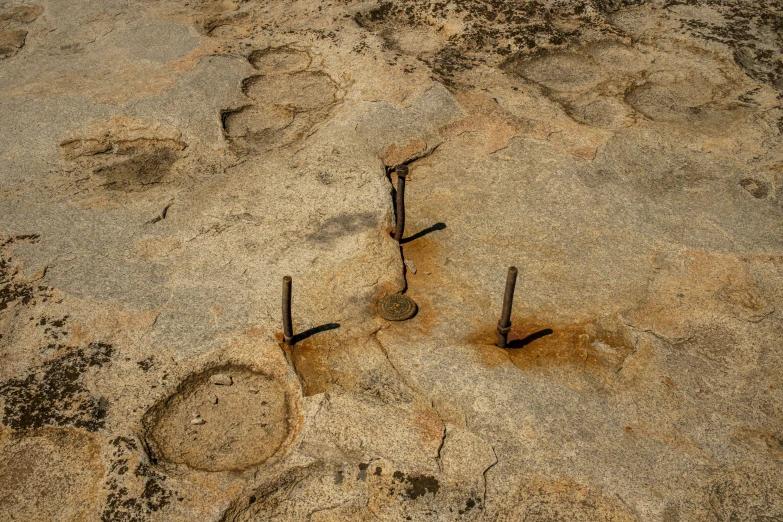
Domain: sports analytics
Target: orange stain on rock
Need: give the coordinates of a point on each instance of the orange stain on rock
(430, 426)
(256, 331)
(427, 315)
(677, 441)
(487, 118)
(395, 154)
(772, 441)
(492, 356)
(423, 252)
(535, 342)
(79, 334)
(310, 358)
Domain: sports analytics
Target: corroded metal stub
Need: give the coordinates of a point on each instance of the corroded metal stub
(397, 307)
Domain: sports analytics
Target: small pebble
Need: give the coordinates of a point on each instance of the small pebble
(221, 379)
(427, 273)
(197, 421)
(411, 266)
(213, 399)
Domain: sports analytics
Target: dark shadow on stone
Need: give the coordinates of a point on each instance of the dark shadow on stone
(138, 171)
(312, 331)
(341, 225)
(417, 235)
(521, 343)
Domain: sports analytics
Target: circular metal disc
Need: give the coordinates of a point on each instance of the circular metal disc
(397, 307)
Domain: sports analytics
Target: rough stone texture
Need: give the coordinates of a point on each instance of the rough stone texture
(164, 164)
(233, 428)
(60, 465)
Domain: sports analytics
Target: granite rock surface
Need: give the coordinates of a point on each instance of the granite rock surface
(164, 164)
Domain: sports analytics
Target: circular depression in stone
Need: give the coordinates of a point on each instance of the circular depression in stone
(279, 61)
(307, 90)
(211, 425)
(397, 307)
(671, 100)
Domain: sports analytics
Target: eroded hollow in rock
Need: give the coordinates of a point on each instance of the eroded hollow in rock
(303, 91)
(260, 128)
(139, 171)
(280, 60)
(225, 418)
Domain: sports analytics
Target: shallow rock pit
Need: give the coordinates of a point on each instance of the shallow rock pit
(226, 418)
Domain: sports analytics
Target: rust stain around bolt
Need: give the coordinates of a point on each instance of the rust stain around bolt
(540, 343)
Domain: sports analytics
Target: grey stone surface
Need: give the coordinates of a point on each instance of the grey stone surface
(164, 164)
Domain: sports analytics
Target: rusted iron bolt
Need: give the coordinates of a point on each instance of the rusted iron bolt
(402, 173)
(504, 325)
(288, 329)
